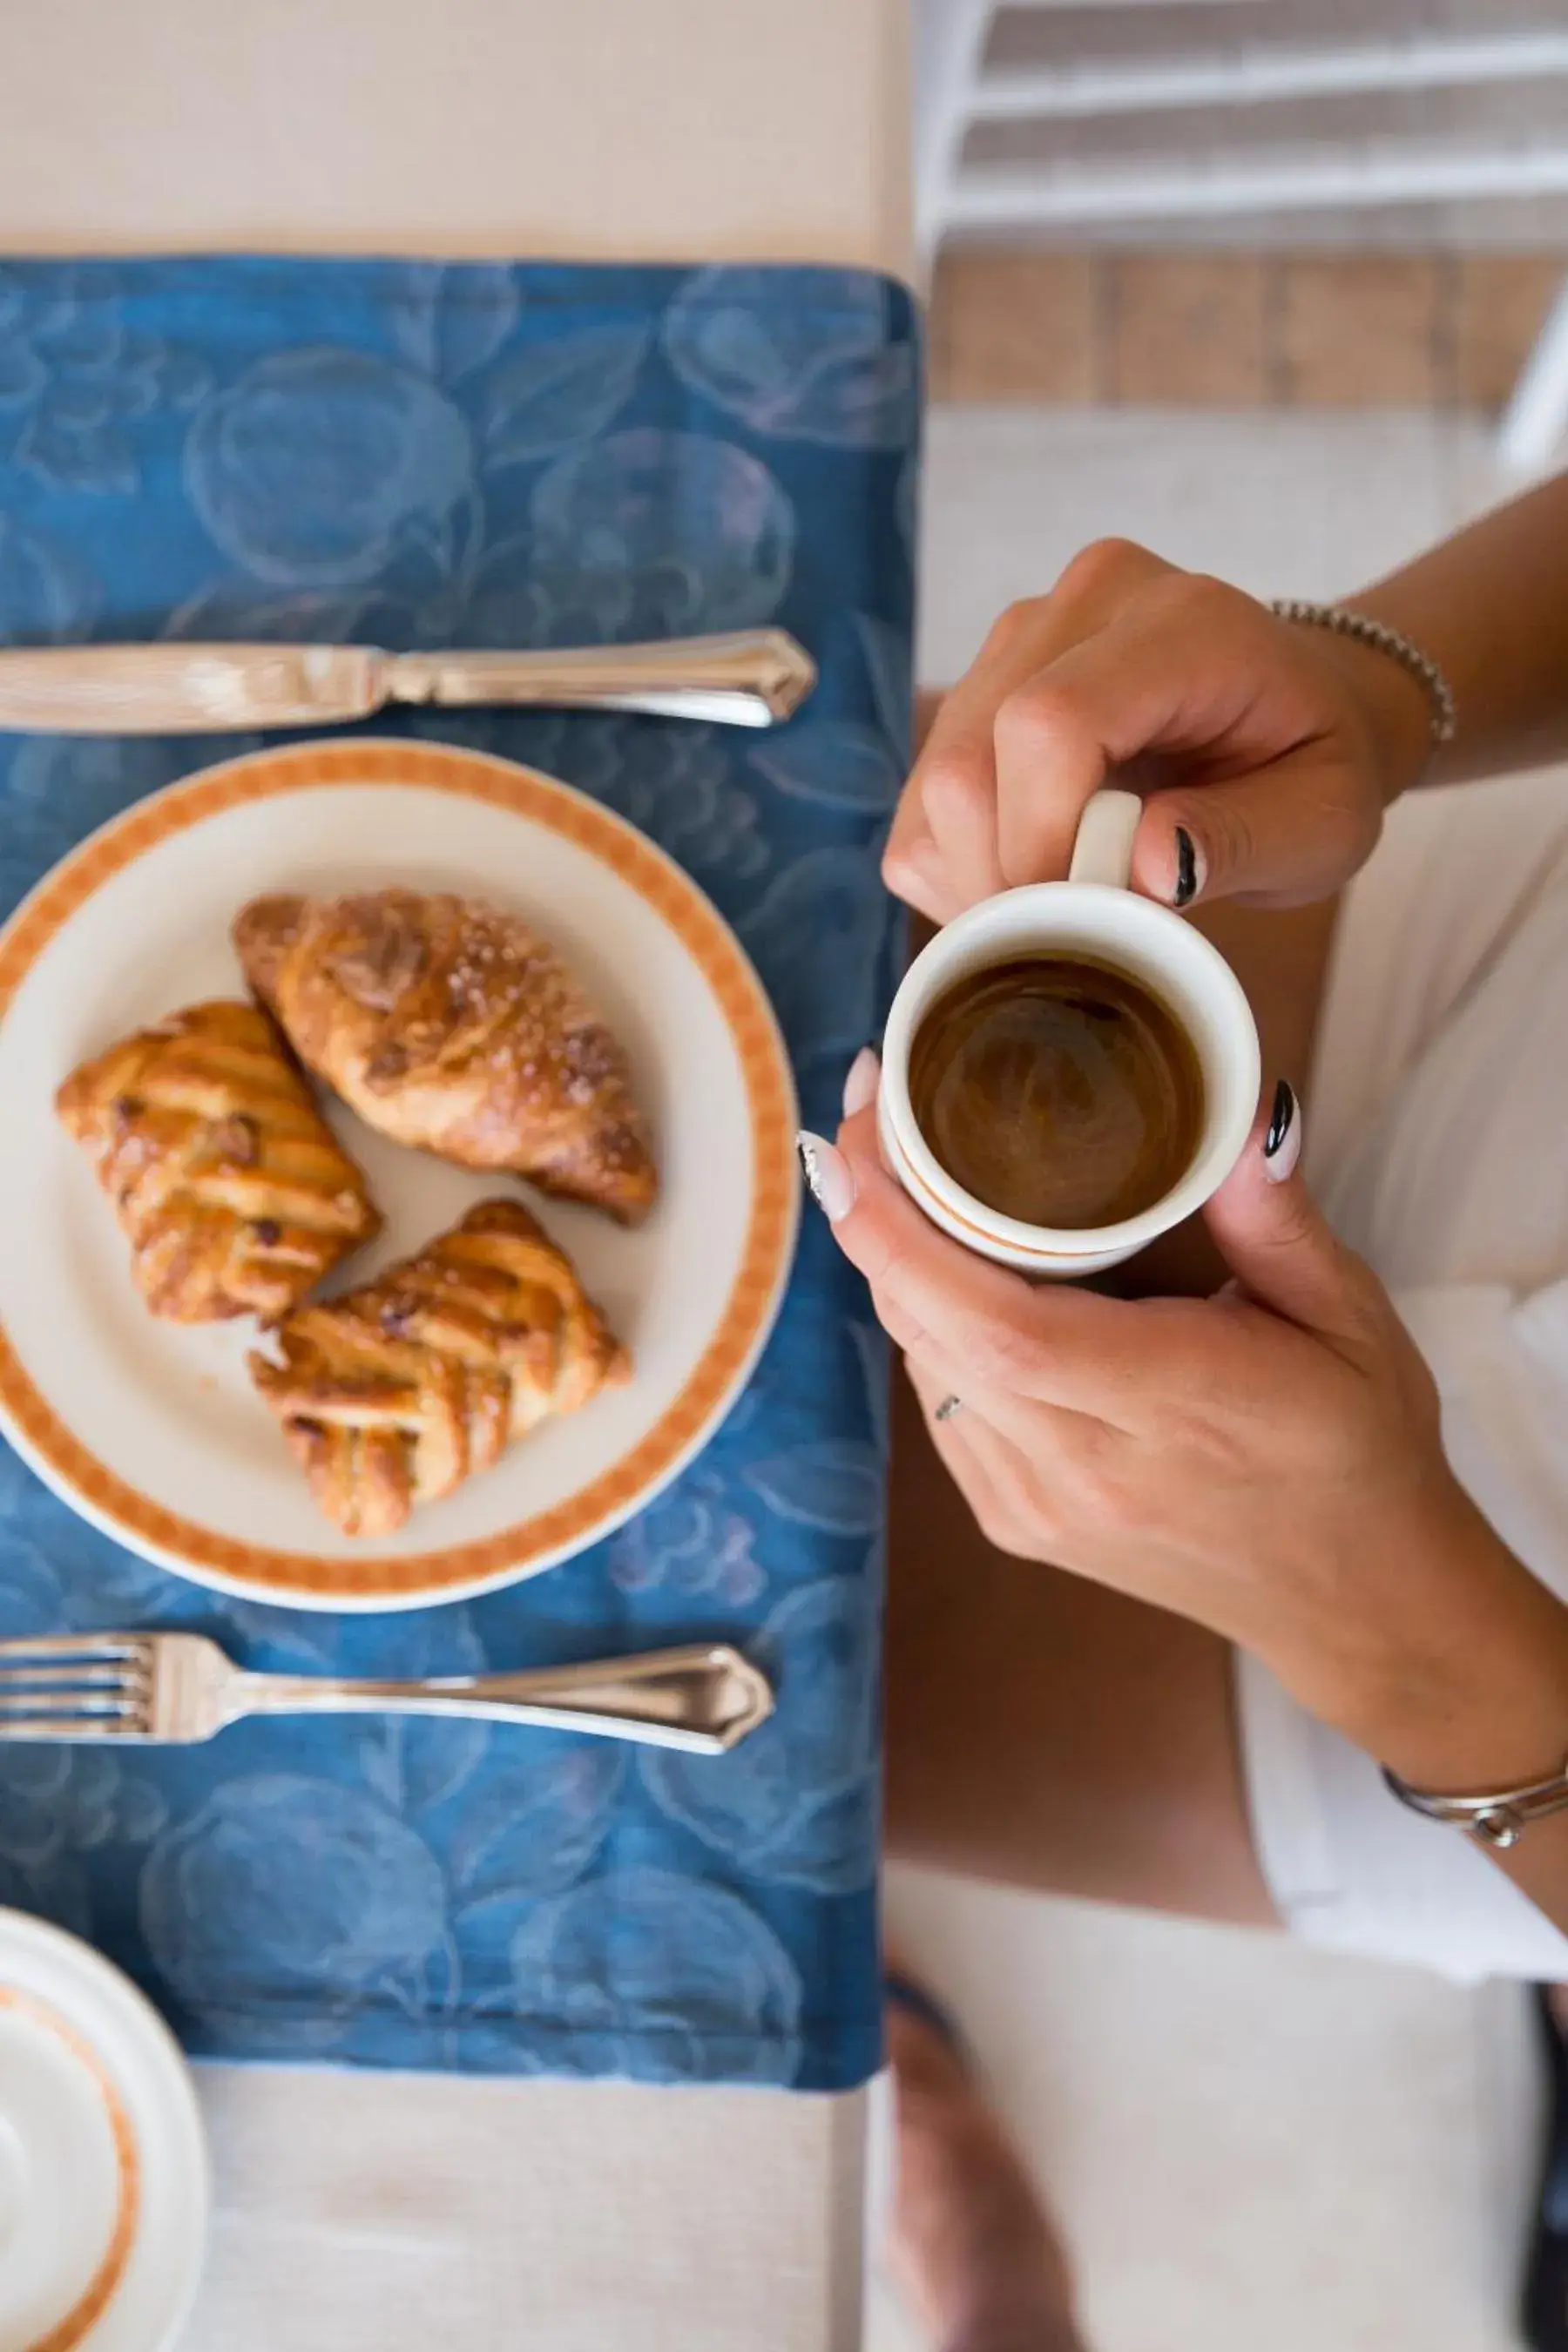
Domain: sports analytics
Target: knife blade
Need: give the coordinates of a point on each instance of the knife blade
(751, 678)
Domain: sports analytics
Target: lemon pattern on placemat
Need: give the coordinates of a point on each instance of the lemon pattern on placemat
(421, 455)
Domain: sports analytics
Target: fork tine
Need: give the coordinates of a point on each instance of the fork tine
(67, 1727)
(67, 1702)
(76, 1685)
(66, 1677)
(76, 1645)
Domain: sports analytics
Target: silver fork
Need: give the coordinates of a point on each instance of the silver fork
(182, 1688)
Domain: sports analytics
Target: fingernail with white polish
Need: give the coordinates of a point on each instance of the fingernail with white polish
(827, 1173)
(860, 1086)
(1282, 1142)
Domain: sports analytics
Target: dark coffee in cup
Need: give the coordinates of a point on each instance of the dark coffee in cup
(1058, 1090)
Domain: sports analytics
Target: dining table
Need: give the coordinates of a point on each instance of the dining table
(360, 2207)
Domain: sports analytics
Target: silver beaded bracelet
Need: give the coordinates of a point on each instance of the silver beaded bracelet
(1365, 631)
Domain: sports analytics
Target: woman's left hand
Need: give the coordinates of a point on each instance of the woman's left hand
(1267, 1461)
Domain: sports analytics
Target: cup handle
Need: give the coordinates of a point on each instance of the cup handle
(1102, 851)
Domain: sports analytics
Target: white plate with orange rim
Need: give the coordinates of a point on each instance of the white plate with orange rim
(152, 1431)
(103, 2165)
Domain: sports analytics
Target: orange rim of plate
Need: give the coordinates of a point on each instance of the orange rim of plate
(566, 1525)
(104, 2284)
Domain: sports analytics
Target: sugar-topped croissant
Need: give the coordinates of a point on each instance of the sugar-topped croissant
(394, 1394)
(233, 1191)
(446, 1024)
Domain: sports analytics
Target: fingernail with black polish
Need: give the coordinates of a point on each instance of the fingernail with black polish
(1189, 874)
(1282, 1144)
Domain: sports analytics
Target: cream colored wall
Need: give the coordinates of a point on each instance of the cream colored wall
(658, 129)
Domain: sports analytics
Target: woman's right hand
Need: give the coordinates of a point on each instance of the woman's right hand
(1274, 748)
(1267, 1461)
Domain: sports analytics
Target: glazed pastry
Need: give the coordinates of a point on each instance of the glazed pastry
(233, 1189)
(448, 1024)
(394, 1394)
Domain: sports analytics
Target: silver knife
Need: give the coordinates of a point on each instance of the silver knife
(751, 678)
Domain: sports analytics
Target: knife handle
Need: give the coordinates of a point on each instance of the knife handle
(749, 678)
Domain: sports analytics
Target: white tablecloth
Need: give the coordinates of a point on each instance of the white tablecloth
(370, 2212)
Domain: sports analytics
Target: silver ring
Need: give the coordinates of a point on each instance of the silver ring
(947, 1408)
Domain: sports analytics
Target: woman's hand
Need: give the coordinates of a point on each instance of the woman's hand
(1267, 1461)
(1272, 748)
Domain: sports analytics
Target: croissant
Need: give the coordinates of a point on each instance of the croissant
(233, 1191)
(394, 1394)
(446, 1024)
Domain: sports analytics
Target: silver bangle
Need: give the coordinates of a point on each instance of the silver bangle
(1498, 1818)
(1363, 630)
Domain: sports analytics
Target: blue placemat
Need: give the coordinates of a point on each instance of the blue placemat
(423, 456)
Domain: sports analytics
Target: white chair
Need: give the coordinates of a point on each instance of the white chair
(1212, 176)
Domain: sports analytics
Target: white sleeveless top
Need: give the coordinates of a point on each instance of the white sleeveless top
(1436, 1140)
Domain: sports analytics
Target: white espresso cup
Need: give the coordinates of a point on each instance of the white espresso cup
(1093, 913)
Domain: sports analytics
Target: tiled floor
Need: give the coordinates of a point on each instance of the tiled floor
(1253, 2148)
(1243, 328)
(1286, 503)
